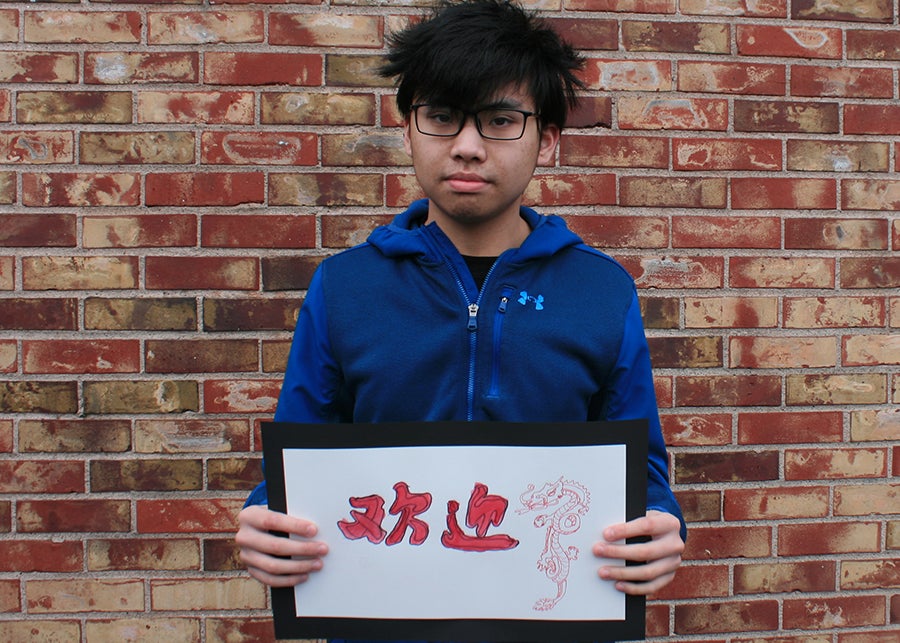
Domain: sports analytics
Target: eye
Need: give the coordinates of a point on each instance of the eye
(503, 119)
(440, 115)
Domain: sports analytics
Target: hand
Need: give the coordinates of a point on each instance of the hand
(661, 554)
(263, 553)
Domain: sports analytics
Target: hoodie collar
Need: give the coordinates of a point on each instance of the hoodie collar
(407, 234)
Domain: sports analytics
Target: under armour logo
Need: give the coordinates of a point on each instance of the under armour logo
(538, 300)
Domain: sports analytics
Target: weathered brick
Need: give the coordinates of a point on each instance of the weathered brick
(850, 388)
(610, 231)
(649, 113)
(726, 232)
(49, 313)
(786, 116)
(133, 148)
(288, 273)
(82, 26)
(862, 194)
(382, 149)
(784, 577)
(549, 190)
(725, 466)
(24, 147)
(153, 628)
(25, 67)
(660, 312)
(38, 397)
(79, 273)
(233, 474)
(41, 476)
(74, 436)
(325, 189)
(672, 192)
(700, 506)
(685, 352)
(628, 75)
(730, 312)
(834, 312)
(738, 616)
(871, 119)
(7, 281)
(868, 272)
(240, 396)
(240, 630)
(781, 272)
(191, 436)
(267, 68)
(591, 111)
(791, 42)
(143, 554)
(142, 396)
(263, 231)
(834, 464)
(275, 356)
(774, 427)
(9, 25)
(201, 356)
(209, 107)
(587, 34)
(675, 271)
(615, 151)
(874, 425)
(38, 230)
(258, 148)
(146, 475)
(9, 361)
(73, 107)
(81, 356)
(350, 230)
(837, 156)
(732, 78)
(872, 44)
(631, 6)
(55, 630)
(871, 11)
(850, 82)
(177, 313)
(760, 8)
(309, 108)
(81, 189)
(41, 556)
(187, 515)
(139, 231)
(207, 27)
(869, 574)
(326, 30)
(696, 429)
(249, 314)
(84, 595)
(726, 154)
(73, 515)
(207, 594)
(728, 390)
(221, 555)
(776, 503)
(685, 37)
(213, 273)
(863, 500)
(120, 68)
(204, 189)
(832, 612)
(782, 352)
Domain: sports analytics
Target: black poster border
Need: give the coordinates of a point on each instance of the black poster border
(278, 436)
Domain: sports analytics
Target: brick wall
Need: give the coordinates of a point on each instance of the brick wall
(171, 173)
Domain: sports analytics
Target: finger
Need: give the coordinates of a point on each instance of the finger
(273, 580)
(653, 524)
(639, 552)
(264, 563)
(642, 579)
(263, 519)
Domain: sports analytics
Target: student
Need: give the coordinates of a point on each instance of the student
(469, 306)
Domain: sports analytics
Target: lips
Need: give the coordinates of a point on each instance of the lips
(466, 182)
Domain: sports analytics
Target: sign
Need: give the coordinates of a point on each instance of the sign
(458, 531)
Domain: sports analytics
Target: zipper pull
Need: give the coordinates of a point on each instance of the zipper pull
(473, 314)
(503, 301)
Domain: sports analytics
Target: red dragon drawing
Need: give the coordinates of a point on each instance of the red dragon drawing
(562, 504)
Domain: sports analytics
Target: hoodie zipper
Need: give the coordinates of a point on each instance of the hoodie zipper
(499, 315)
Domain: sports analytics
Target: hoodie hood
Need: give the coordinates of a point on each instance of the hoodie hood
(408, 234)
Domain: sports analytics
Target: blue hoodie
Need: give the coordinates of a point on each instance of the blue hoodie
(396, 330)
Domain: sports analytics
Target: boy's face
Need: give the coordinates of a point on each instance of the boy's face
(471, 180)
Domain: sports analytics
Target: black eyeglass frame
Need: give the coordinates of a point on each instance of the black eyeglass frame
(414, 108)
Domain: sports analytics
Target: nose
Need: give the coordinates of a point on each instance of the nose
(468, 143)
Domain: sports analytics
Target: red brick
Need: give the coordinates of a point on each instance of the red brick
(837, 156)
(784, 577)
(672, 192)
(316, 108)
(41, 476)
(73, 515)
(233, 474)
(249, 314)
(823, 388)
(760, 8)
(81, 356)
(548, 190)
(145, 230)
(9, 363)
(791, 42)
(833, 612)
(773, 503)
(209, 188)
(326, 30)
(869, 574)
(146, 475)
(732, 78)
(354, 70)
(728, 390)
(144, 313)
(863, 500)
(790, 427)
(134, 148)
(165, 435)
(783, 193)
(684, 37)
(150, 554)
(725, 466)
(241, 630)
(782, 272)
(782, 352)
(81, 189)
(326, 188)
(187, 516)
(870, 11)
(121, 68)
(610, 231)
(730, 312)
(258, 231)
(686, 352)
(201, 356)
(872, 119)
(221, 555)
(701, 506)
(743, 616)
(42, 67)
(866, 272)
(834, 464)
(786, 116)
(82, 26)
(628, 75)
(38, 230)
(587, 34)
(74, 436)
(836, 234)
(651, 113)
(349, 230)
(210, 273)
(870, 194)
(696, 581)
(9, 25)
(721, 232)
(73, 107)
(695, 429)
(205, 27)
(41, 556)
(849, 82)
(233, 108)
(39, 314)
(834, 312)
(377, 149)
(631, 6)
(251, 68)
(258, 148)
(241, 396)
(23, 147)
(726, 154)
(79, 273)
(288, 273)
(869, 44)
(675, 271)
(614, 151)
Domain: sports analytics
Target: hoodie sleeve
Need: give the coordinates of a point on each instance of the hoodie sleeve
(631, 396)
(312, 378)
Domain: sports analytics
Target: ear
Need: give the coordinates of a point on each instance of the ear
(548, 142)
(406, 144)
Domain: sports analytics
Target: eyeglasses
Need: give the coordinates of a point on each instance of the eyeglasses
(495, 123)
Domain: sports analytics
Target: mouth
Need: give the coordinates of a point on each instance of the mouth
(466, 182)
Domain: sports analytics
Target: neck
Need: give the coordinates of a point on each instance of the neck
(485, 238)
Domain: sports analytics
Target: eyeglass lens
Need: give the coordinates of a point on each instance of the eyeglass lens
(504, 124)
